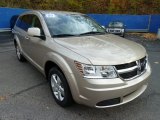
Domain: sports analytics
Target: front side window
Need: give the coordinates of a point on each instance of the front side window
(36, 23)
(71, 24)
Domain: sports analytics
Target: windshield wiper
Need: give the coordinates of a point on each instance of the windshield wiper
(87, 33)
(92, 32)
(63, 35)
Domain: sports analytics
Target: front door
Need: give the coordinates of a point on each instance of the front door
(36, 45)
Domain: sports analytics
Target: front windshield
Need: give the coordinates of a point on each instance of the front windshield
(71, 24)
(115, 24)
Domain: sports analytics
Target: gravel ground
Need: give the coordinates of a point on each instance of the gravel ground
(25, 94)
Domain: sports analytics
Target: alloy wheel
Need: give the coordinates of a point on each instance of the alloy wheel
(57, 87)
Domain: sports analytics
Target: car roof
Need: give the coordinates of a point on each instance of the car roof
(60, 12)
(52, 11)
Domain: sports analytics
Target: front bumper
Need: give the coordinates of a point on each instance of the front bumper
(120, 34)
(100, 93)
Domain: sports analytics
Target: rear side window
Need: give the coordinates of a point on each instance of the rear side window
(25, 22)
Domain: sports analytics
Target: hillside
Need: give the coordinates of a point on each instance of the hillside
(90, 6)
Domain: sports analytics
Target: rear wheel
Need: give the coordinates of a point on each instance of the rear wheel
(19, 54)
(59, 87)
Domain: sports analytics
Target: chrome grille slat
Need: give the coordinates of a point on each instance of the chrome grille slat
(127, 70)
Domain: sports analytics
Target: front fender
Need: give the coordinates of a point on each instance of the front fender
(67, 71)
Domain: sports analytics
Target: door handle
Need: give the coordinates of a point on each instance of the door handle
(27, 38)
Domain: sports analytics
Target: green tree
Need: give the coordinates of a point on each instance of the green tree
(90, 6)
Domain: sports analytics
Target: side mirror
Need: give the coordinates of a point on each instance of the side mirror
(34, 31)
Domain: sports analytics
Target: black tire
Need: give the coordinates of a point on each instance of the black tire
(19, 54)
(67, 97)
(123, 35)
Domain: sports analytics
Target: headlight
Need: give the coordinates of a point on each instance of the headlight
(99, 72)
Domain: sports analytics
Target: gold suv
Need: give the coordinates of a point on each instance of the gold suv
(81, 61)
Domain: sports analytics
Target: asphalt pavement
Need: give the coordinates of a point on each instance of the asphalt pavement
(25, 93)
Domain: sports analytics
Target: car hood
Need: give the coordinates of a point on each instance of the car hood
(104, 49)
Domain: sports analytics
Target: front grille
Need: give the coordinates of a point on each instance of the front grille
(143, 63)
(129, 75)
(127, 65)
(115, 31)
(130, 70)
(111, 31)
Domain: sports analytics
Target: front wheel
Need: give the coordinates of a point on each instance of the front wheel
(60, 88)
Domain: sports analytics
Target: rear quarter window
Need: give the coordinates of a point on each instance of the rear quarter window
(13, 21)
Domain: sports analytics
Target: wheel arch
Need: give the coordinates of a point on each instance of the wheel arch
(16, 41)
(48, 65)
(59, 62)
